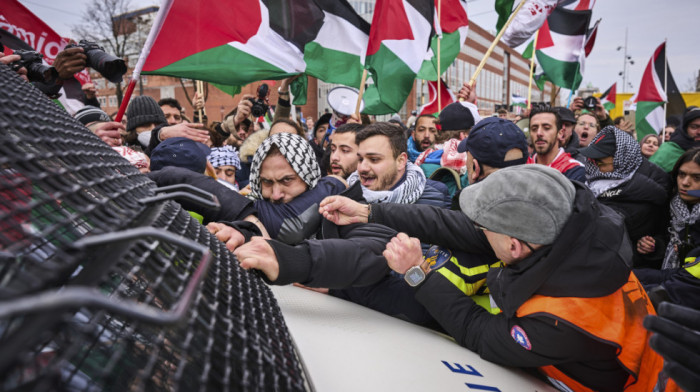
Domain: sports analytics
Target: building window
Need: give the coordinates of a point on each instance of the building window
(144, 80)
(112, 101)
(102, 101)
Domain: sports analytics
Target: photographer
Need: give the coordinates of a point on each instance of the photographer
(11, 59)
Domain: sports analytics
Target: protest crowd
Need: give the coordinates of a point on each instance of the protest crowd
(544, 241)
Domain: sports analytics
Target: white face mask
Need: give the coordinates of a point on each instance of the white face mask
(145, 138)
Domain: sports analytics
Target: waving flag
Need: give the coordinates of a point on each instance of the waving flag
(560, 46)
(265, 39)
(650, 98)
(517, 100)
(530, 18)
(401, 30)
(452, 30)
(446, 98)
(591, 35)
(609, 96)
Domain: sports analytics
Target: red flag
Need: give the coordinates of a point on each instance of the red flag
(446, 98)
(590, 38)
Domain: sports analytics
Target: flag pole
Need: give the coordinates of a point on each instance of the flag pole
(439, 76)
(361, 93)
(665, 88)
(145, 51)
(201, 94)
(532, 72)
(494, 43)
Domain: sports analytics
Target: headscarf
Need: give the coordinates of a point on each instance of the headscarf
(224, 156)
(296, 151)
(626, 161)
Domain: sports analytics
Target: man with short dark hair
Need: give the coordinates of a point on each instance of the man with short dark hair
(343, 160)
(545, 130)
(423, 136)
(386, 175)
(172, 110)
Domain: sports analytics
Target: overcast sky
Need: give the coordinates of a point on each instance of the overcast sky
(648, 23)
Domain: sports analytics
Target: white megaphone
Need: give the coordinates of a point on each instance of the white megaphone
(343, 101)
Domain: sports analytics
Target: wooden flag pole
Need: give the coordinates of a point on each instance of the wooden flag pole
(199, 92)
(439, 74)
(361, 93)
(532, 72)
(494, 43)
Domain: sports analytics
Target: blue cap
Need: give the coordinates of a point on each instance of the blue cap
(180, 152)
(491, 139)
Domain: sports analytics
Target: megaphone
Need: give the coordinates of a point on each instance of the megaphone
(343, 101)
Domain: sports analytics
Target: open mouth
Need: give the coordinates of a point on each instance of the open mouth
(366, 181)
(425, 143)
(584, 135)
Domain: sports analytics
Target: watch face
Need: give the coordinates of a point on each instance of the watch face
(414, 276)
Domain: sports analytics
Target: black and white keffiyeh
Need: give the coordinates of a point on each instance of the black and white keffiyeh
(681, 218)
(296, 150)
(407, 192)
(224, 156)
(626, 161)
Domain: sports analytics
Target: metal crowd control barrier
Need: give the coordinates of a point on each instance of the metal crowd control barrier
(106, 285)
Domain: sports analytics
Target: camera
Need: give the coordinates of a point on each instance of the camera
(111, 67)
(260, 106)
(590, 103)
(37, 71)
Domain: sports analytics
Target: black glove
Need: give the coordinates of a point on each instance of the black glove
(677, 339)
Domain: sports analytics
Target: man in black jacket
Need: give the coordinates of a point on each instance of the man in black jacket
(565, 259)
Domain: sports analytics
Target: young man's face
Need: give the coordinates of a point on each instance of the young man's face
(343, 154)
(278, 181)
(544, 132)
(172, 114)
(226, 173)
(425, 133)
(377, 167)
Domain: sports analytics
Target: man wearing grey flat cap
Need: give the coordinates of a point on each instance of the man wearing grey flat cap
(570, 305)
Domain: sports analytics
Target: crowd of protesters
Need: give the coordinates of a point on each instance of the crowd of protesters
(538, 245)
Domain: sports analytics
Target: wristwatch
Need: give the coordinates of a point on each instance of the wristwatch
(435, 258)
(416, 274)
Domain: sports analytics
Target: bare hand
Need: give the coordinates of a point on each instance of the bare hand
(110, 132)
(192, 131)
(11, 59)
(343, 211)
(243, 112)
(354, 119)
(89, 90)
(600, 111)
(577, 104)
(197, 101)
(626, 126)
(258, 254)
(316, 289)
(646, 245)
(226, 234)
(467, 93)
(70, 61)
(403, 252)
(284, 85)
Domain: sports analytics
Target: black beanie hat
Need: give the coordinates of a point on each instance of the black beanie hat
(143, 110)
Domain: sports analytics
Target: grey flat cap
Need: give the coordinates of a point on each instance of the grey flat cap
(529, 202)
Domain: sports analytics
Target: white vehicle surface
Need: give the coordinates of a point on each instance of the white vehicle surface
(347, 347)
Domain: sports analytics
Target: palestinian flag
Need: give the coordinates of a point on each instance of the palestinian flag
(527, 53)
(560, 46)
(452, 30)
(652, 95)
(265, 39)
(337, 54)
(591, 35)
(400, 29)
(446, 98)
(526, 22)
(517, 100)
(609, 97)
